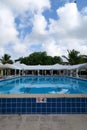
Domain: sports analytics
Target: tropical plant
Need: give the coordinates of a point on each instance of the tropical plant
(6, 59)
(73, 57)
(57, 59)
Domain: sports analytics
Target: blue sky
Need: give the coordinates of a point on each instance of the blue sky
(54, 26)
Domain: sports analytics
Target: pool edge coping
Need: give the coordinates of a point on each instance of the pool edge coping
(43, 95)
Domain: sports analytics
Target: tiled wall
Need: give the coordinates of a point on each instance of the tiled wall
(50, 106)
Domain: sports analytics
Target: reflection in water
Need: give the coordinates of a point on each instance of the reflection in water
(43, 84)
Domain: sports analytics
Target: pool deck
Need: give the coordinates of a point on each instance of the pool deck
(43, 122)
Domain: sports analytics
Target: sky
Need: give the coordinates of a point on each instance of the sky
(54, 26)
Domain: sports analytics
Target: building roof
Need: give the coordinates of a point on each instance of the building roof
(20, 66)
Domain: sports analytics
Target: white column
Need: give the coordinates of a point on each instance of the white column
(59, 72)
(38, 72)
(45, 72)
(19, 72)
(51, 72)
(67, 72)
(71, 73)
(77, 73)
(15, 72)
(5, 72)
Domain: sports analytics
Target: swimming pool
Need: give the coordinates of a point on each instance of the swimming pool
(43, 85)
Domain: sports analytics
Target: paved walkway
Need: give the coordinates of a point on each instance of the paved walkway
(43, 122)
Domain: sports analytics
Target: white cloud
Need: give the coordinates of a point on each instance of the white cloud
(9, 11)
(2, 51)
(39, 24)
(84, 11)
(52, 48)
(19, 48)
(68, 31)
(19, 7)
(8, 30)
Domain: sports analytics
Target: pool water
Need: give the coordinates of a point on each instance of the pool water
(43, 85)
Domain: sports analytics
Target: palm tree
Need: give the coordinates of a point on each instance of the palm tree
(6, 59)
(83, 59)
(74, 57)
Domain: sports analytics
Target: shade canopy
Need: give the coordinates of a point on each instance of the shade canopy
(9, 66)
(20, 66)
(79, 66)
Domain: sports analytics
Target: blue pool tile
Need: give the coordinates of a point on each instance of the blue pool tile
(58, 100)
(82, 104)
(38, 105)
(54, 104)
(83, 110)
(24, 110)
(86, 104)
(49, 100)
(86, 100)
(24, 104)
(29, 110)
(63, 110)
(78, 110)
(63, 104)
(29, 104)
(14, 105)
(78, 99)
(54, 110)
(9, 100)
(8, 110)
(0, 111)
(49, 110)
(49, 104)
(78, 104)
(24, 100)
(74, 110)
(68, 110)
(13, 100)
(18, 110)
(4, 111)
(18, 100)
(44, 110)
(73, 100)
(3, 105)
(0, 105)
(4, 100)
(19, 104)
(58, 110)
(39, 110)
(68, 100)
(54, 100)
(34, 100)
(9, 105)
(83, 99)
(86, 109)
(33, 104)
(29, 99)
(63, 99)
(13, 110)
(34, 110)
(73, 104)
(59, 104)
(44, 105)
(68, 104)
